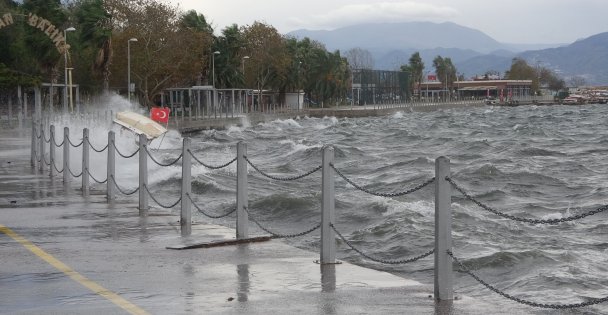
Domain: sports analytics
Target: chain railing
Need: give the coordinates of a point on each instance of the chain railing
(98, 150)
(291, 178)
(277, 235)
(121, 190)
(464, 269)
(75, 145)
(526, 220)
(55, 167)
(379, 260)
(124, 155)
(213, 167)
(207, 214)
(160, 163)
(79, 174)
(159, 203)
(444, 258)
(403, 193)
(96, 180)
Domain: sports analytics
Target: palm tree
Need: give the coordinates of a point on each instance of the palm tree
(96, 34)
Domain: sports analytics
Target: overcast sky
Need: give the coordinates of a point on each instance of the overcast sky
(512, 21)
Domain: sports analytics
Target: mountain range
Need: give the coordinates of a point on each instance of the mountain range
(472, 51)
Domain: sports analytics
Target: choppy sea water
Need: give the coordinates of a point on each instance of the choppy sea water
(541, 162)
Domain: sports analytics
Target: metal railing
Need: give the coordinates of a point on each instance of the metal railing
(444, 256)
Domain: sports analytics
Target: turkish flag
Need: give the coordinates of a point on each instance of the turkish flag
(160, 114)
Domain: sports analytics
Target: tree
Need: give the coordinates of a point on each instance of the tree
(578, 81)
(96, 35)
(446, 71)
(268, 55)
(520, 70)
(166, 52)
(416, 69)
(359, 58)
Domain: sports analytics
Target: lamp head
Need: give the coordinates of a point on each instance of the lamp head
(70, 29)
(133, 39)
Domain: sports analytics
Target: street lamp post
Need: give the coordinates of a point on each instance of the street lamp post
(129, 67)
(65, 55)
(213, 66)
(244, 81)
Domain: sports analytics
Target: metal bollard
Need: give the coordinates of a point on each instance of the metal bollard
(52, 151)
(242, 202)
(111, 167)
(186, 212)
(66, 156)
(143, 176)
(328, 239)
(443, 230)
(85, 162)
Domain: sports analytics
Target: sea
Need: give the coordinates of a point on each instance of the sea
(534, 162)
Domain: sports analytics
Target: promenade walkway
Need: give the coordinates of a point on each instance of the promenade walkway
(62, 253)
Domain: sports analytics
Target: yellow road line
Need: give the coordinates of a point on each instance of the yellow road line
(96, 288)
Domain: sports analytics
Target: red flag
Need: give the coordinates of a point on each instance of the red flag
(160, 114)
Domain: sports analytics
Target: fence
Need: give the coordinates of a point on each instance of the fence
(444, 256)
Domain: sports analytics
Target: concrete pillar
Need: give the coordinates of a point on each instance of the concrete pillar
(242, 202)
(33, 146)
(111, 167)
(85, 162)
(328, 240)
(66, 156)
(143, 176)
(443, 230)
(41, 142)
(186, 211)
(52, 151)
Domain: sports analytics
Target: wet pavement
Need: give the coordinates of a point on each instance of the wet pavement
(62, 253)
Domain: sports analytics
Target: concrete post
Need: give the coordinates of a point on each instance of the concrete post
(33, 147)
(328, 240)
(85, 162)
(66, 156)
(186, 212)
(38, 103)
(242, 202)
(52, 151)
(111, 167)
(443, 230)
(41, 148)
(143, 176)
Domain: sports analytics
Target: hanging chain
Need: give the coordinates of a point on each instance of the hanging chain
(209, 215)
(159, 203)
(211, 166)
(98, 151)
(276, 235)
(95, 180)
(75, 145)
(122, 155)
(514, 218)
(521, 301)
(284, 178)
(409, 191)
(390, 262)
(70, 170)
(122, 191)
(159, 163)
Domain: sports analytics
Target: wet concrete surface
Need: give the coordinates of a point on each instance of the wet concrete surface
(111, 246)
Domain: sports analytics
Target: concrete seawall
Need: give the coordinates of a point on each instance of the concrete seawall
(188, 125)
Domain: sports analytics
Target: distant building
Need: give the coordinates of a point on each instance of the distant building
(379, 87)
(476, 89)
